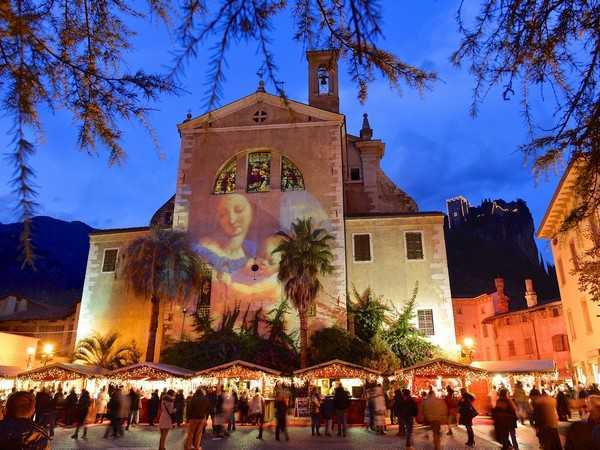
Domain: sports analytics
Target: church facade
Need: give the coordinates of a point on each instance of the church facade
(248, 170)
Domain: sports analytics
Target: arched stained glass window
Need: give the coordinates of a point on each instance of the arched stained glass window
(291, 177)
(225, 182)
(259, 172)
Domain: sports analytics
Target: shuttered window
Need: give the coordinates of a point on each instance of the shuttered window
(560, 343)
(414, 245)
(362, 247)
(109, 263)
(511, 348)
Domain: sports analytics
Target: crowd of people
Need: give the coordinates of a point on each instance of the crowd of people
(30, 418)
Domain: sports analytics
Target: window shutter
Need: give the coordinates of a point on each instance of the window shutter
(414, 245)
(109, 264)
(362, 247)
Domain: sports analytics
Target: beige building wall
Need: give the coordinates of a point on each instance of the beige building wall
(582, 316)
(392, 275)
(15, 350)
(107, 304)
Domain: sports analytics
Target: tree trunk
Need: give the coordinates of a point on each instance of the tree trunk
(303, 338)
(152, 332)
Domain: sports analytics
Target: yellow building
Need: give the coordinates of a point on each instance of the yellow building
(248, 170)
(581, 314)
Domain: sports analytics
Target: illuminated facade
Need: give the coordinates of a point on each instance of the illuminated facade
(582, 316)
(248, 170)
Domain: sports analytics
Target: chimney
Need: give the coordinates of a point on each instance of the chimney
(323, 89)
(530, 295)
(501, 305)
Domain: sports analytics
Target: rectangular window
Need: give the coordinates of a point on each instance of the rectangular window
(485, 330)
(511, 348)
(355, 173)
(459, 330)
(508, 321)
(561, 271)
(414, 244)
(571, 324)
(528, 346)
(560, 343)
(574, 257)
(362, 248)
(524, 318)
(109, 262)
(425, 321)
(586, 317)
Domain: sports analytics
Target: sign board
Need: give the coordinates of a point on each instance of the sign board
(301, 408)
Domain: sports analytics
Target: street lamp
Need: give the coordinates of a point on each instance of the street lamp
(468, 349)
(30, 354)
(47, 353)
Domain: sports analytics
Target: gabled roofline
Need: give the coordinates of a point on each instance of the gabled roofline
(118, 230)
(256, 97)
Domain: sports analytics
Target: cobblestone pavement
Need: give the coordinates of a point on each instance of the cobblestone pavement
(145, 437)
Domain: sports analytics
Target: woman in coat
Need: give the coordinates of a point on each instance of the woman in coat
(81, 412)
(101, 403)
(467, 413)
(505, 421)
(165, 421)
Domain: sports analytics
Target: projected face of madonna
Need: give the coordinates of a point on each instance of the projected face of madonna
(234, 215)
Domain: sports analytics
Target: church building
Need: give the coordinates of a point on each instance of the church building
(248, 170)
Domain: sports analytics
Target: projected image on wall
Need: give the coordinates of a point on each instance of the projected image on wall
(238, 233)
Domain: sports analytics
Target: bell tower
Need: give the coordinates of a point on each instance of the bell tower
(323, 87)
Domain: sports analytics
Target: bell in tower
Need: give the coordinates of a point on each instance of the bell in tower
(323, 79)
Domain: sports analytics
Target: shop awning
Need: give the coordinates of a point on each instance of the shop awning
(238, 369)
(149, 371)
(517, 366)
(62, 372)
(444, 368)
(336, 369)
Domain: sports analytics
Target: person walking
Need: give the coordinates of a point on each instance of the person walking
(101, 402)
(582, 397)
(435, 413)
(467, 413)
(281, 416)
(521, 401)
(134, 405)
(212, 398)
(546, 422)
(315, 412)
(395, 411)
(44, 410)
(228, 411)
(166, 415)
(112, 410)
(179, 405)
(406, 411)
(243, 407)
(341, 401)
(153, 406)
(71, 407)
(197, 413)
(562, 405)
(81, 413)
(17, 430)
(234, 408)
(505, 421)
(452, 404)
(585, 433)
(327, 411)
(257, 411)
(123, 411)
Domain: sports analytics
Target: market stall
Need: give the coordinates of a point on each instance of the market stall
(147, 377)
(8, 375)
(439, 373)
(245, 378)
(530, 372)
(64, 377)
(325, 376)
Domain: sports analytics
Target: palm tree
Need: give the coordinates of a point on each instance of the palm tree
(305, 254)
(161, 265)
(103, 351)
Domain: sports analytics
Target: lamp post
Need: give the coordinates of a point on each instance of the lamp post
(183, 324)
(47, 353)
(30, 354)
(468, 349)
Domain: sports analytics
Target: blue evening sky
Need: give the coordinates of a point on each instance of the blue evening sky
(434, 149)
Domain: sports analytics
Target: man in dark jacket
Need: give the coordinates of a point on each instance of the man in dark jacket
(71, 406)
(17, 430)
(406, 410)
(44, 409)
(153, 405)
(197, 413)
(134, 407)
(341, 402)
